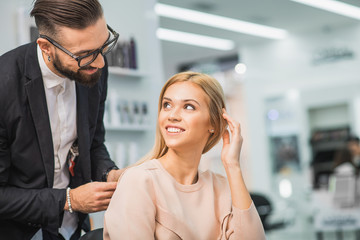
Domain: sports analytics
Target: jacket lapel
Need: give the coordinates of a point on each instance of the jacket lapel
(37, 100)
(83, 165)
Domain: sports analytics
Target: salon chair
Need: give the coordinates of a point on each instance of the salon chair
(264, 208)
(96, 234)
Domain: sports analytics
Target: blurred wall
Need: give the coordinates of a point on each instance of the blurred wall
(282, 67)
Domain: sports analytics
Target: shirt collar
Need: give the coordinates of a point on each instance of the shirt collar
(50, 79)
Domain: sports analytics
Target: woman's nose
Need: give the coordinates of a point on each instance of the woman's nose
(174, 115)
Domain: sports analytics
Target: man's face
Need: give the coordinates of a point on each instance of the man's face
(354, 147)
(79, 76)
(80, 42)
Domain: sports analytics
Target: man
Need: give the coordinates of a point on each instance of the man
(353, 144)
(52, 96)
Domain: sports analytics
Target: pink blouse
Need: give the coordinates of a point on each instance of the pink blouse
(150, 204)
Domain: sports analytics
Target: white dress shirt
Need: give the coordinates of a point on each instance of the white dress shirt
(61, 102)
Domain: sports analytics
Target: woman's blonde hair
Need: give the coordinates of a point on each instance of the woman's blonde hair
(214, 91)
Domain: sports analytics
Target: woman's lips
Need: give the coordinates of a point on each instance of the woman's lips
(172, 129)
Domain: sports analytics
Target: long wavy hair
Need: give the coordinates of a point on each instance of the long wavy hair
(214, 91)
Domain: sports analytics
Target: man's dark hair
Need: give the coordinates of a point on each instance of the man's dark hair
(77, 14)
(353, 138)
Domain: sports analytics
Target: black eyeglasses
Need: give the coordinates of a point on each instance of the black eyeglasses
(90, 57)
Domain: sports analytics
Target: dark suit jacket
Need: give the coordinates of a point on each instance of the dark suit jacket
(27, 199)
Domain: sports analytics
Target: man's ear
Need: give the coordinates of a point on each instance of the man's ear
(44, 45)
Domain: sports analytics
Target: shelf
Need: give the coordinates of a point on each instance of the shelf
(136, 128)
(321, 146)
(125, 72)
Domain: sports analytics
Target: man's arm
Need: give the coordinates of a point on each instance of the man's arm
(18, 205)
(101, 164)
(34, 207)
(114, 175)
(90, 197)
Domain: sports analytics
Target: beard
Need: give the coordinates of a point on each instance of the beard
(78, 76)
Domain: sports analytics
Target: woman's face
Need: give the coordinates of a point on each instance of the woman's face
(184, 118)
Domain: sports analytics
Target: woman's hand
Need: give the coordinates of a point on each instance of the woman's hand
(230, 157)
(230, 154)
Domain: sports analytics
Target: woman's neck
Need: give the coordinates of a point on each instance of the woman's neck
(183, 167)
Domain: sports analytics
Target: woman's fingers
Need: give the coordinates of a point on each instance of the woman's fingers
(234, 126)
(230, 124)
(226, 137)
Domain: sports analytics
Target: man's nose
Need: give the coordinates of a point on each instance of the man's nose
(99, 61)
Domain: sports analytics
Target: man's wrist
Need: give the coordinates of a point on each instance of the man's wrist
(68, 200)
(106, 173)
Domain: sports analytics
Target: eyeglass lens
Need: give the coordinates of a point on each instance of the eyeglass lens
(87, 59)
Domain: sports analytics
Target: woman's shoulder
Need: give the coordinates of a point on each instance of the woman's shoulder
(220, 189)
(218, 180)
(213, 175)
(145, 166)
(139, 172)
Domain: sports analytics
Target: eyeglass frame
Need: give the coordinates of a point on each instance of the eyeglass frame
(97, 51)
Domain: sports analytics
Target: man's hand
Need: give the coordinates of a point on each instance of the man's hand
(91, 197)
(114, 175)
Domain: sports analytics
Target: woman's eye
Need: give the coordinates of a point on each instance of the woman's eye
(189, 107)
(166, 105)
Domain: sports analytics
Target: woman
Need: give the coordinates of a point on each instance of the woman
(166, 197)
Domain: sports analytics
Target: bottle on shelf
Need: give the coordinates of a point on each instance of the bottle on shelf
(132, 53)
(124, 54)
(144, 114)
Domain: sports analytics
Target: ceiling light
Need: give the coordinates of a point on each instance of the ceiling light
(195, 39)
(285, 188)
(333, 6)
(219, 22)
(273, 115)
(293, 94)
(240, 68)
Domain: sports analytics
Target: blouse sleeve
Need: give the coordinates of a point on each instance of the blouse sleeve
(131, 212)
(243, 224)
